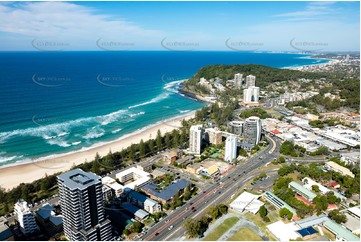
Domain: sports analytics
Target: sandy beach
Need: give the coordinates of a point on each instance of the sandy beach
(12, 176)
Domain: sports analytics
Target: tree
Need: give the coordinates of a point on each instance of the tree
(25, 192)
(137, 227)
(44, 183)
(223, 209)
(337, 216)
(6, 209)
(194, 228)
(183, 137)
(175, 140)
(321, 202)
(95, 164)
(126, 232)
(282, 159)
(141, 149)
(159, 140)
(213, 212)
(151, 146)
(262, 211)
(167, 140)
(285, 213)
(315, 188)
(287, 148)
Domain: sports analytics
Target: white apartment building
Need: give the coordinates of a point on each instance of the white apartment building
(230, 151)
(25, 218)
(195, 139)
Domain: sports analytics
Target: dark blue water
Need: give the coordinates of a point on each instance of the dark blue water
(57, 102)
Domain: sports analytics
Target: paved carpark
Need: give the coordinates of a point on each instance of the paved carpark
(180, 173)
(267, 183)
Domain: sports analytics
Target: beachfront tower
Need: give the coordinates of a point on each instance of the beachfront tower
(250, 81)
(230, 151)
(25, 218)
(81, 202)
(252, 130)
(238, 80)
(195, 139)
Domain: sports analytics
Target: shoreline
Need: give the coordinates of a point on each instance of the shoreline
(37, 169)
(300, 67)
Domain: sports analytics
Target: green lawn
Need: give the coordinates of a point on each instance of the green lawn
(294, 176)
(245, 234)
(258, 221)
(221, 229)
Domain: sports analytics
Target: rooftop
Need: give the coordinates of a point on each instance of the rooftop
(312, 221)
(303, 190)
(56, 220)
(213, 169)
(78, 179)
(140, 213)
(355, 210)
(247, 201)
(5, 232)
(343, 170)
(340, 231)
(45, 211)
(168, 192)
(142, 198)
(352, 223)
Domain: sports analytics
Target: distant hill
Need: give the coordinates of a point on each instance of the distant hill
(264, 74)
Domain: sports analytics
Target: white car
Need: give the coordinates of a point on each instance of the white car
(170, 227)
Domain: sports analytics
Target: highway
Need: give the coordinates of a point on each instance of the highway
(216, 194)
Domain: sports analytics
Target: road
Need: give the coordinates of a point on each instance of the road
(215, 194)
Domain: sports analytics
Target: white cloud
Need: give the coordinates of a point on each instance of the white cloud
(313, 10)
(68, 22)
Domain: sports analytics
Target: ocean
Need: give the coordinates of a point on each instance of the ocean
(61, 102)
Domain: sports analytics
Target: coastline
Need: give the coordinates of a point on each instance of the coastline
(34, 170)
(302, 67)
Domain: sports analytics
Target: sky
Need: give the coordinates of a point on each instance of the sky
(239, 26)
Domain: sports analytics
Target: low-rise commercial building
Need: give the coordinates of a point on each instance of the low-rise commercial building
(336, 167)
(144, 202)
(195, 168)
(308, 183)
(247, 202)
(168, 193)
(137, 213)
(353, 219)
(351, 158)
(278, 202)
(47, 217)
(302, 191)
(341, 233)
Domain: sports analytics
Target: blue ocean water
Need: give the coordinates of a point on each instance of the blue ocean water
(59, 102)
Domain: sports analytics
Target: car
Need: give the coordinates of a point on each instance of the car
(219, 192)
(194, 210)
(156, 234)
(204, 191)
(170, 227)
